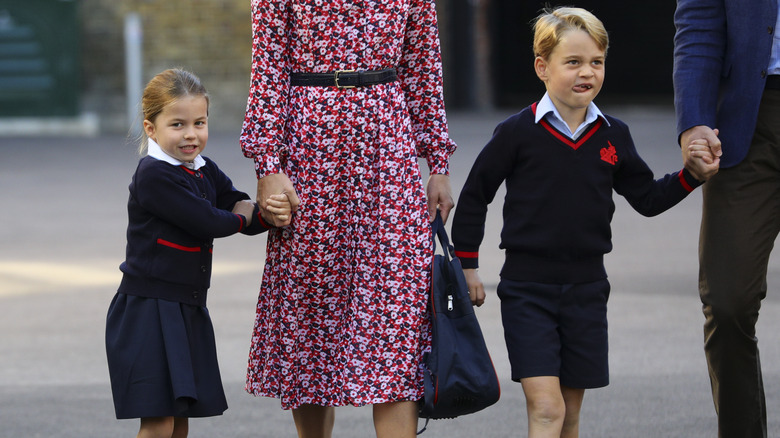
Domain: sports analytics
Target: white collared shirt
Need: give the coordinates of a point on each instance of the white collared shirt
(546, 109)
(155, 151)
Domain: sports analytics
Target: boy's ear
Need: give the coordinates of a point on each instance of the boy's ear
(540, 66)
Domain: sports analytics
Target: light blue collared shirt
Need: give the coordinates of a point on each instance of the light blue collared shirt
(774, 58)
(546, 109)
(155, 151)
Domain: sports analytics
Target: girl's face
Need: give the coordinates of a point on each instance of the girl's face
(573, 74)
(181, 128)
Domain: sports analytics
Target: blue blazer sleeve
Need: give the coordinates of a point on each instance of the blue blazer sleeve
(721, 55)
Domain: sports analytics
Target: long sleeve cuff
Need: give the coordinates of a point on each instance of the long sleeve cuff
(266, 165)
(688, 181)
(468, 259)
(438, 165)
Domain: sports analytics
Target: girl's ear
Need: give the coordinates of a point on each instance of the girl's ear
(149, 129)
(540, 66)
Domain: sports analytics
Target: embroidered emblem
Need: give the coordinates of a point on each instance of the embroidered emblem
(609, 154)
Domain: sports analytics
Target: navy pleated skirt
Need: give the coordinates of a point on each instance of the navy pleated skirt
(162, 359)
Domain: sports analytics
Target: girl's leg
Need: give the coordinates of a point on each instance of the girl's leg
(546, 406)
(314, 421)
(395, 420)
(181, 427)
(572, 398)
(156, 427)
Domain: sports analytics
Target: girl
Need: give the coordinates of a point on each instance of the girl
(159, 339)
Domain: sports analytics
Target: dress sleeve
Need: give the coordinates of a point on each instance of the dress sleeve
(263, 132)
(421, 79)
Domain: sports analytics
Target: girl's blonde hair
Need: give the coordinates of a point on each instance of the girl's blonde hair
(165, 88)
(551, 24)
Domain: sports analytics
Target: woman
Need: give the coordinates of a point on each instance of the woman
(345, 96)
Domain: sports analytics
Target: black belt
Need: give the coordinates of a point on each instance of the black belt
(344, 78)
(773, 82)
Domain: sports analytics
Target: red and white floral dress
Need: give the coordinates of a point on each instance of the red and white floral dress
(341, 316)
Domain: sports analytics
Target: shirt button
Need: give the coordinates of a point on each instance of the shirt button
(203, 195)
(203, 269)
(770, 30)
(195, 295)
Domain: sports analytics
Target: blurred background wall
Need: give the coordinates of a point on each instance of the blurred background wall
(66, 58)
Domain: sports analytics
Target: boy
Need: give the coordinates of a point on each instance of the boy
(561, 158)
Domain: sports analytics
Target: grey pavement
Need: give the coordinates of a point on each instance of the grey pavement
(63, 223)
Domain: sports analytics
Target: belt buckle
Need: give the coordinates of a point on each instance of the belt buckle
(336, 79)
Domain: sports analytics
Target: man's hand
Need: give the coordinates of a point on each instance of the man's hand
(439, 195)
(707, 136)
(276, 184)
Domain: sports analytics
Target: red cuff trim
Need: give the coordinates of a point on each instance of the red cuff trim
(466, 254)
(262, 222)
(684, 183)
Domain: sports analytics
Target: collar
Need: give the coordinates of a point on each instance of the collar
(155, 151)
(546, 109)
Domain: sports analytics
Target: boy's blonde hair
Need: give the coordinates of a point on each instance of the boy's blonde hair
(551, 24)
(164, 88)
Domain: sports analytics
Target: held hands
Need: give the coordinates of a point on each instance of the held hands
(275, 210)
(701, 151)
(476, 288)
(278, 208)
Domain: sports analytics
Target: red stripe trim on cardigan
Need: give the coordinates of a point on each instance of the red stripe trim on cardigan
(684, 183)
(191, 172)
(177, 246)
(262, 221)
(242, 220)
(466, 254)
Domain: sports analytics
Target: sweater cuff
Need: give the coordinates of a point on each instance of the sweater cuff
(468, 259)
(688, 181)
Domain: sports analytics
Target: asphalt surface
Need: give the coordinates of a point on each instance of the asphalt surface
(63, 223)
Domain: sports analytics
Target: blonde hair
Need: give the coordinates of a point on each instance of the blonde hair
(552, 24)
(165, 88)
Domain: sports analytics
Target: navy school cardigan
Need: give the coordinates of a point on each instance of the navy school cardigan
(174, 214)
(558, 205)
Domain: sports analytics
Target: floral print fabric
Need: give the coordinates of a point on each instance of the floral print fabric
(341, 316)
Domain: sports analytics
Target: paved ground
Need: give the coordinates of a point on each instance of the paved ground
(63, 217)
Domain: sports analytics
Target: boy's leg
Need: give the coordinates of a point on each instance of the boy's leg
(546, 406)
(572, 398)
(314, 421)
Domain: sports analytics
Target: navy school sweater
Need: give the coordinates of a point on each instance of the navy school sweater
(174, 214)
(558, 205)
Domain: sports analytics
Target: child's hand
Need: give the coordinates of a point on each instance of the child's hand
(277, 210)
(700, 161)
(476, 288)
(245, 208)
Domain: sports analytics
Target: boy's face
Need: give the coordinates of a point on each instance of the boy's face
(573, 73)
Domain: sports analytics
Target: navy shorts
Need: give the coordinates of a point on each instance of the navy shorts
(557, 330)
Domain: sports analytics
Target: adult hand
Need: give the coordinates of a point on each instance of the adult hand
(439, 195)
(276, 184)
(708, 135)
(476, 288)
